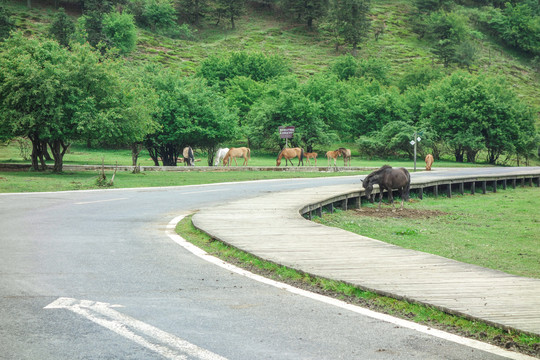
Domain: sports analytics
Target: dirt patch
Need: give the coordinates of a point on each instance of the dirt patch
(386, 212)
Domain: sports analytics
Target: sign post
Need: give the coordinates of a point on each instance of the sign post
(286, 132)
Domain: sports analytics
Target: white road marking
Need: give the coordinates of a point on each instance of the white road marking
(341, 304)
(152, 338)
(98, 201)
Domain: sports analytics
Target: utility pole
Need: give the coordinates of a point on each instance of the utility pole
(415, 151)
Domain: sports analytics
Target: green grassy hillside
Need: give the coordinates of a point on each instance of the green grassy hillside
(308, 52)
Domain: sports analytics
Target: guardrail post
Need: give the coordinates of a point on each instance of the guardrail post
(483, 187)
(461, 188)
(331, 207)
(318, 211)
(494, 186)
(421, 193)
(473, 187)
(344, 204)
(504, 184)
(522, 182)
(449, 190)
(513, 183)
(436, 190)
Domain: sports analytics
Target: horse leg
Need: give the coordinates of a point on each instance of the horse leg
(402, 198)
(391, 198)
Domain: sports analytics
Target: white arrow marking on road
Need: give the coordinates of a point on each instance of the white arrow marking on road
(159, 341)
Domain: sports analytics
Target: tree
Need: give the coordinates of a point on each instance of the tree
(190, 113)
(307, 10)
(230, 9)
(62, 28)
(120, 30)
(471, 113)
(6, 23)
(448, 31)
(193, 10)
(54, 96)
(218, 70)
(284, 104)
(350, 19)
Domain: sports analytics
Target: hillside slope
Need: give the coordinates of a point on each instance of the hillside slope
(308, 52)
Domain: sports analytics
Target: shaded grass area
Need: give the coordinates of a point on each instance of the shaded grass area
(79, 154)
(495, 230)
(426, 315)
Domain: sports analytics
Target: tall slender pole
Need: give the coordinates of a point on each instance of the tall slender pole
(415, 150)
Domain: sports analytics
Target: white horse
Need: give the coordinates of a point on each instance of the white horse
(220, 155)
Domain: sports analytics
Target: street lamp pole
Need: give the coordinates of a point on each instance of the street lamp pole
(415, 150)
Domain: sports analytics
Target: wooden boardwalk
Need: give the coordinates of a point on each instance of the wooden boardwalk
(271, 227)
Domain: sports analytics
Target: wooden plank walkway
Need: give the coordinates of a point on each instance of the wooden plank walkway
(271, 227)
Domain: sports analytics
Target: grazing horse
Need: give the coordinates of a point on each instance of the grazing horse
(388, 178)
(291, 153)
(346, 156)
(429, 161)
(312, 155)
(220, 155)
(189, 159)
(334, 155)
(236, 153)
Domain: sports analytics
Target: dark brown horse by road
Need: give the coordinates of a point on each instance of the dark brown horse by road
(291, 153)
(388, 178)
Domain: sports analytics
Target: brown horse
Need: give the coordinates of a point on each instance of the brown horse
(189, 159)
(388, 178)
(334, 155)
(312, 155)
(290, 153)
(346, 153)
(236, 153)
(429, 161)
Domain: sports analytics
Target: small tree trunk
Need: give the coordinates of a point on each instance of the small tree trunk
(135, 151)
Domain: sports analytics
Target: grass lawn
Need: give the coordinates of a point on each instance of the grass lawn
(497, 230)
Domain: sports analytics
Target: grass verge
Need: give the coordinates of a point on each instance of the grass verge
(496, 230)
(31, 181)
(426, 315)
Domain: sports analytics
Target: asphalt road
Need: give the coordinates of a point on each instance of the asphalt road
(93, 275)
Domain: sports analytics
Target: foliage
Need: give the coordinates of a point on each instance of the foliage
(120, 30)
(517, 24)
(6, 23)
(62, 28)
(347, 67)
(217, 70)
(306, 10)
(471, 113)
(55, 96)
(419, 76)
(448, 31)
(155, 14)
(190, 114)
(284, 104)
(193, 10)
(229, 9)
(350, 20)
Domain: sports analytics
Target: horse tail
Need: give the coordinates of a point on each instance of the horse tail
(249, 153)
(302, 155)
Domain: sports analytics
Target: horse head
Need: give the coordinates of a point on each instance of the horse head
(368, 188)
